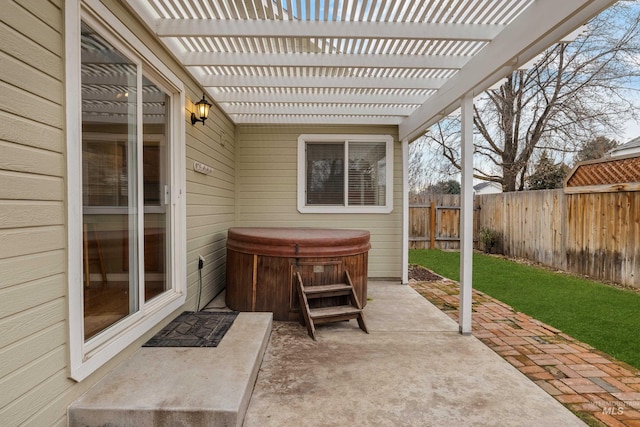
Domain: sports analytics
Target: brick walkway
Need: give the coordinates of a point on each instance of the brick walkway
(596, 387)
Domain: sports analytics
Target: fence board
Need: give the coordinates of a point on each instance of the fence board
(593, 234)
(446, 234)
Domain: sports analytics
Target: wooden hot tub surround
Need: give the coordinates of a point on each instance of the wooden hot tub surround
(262, 264)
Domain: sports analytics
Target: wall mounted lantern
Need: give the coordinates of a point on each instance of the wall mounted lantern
(202, 111)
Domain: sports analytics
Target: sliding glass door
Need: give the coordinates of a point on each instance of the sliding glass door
(125, 184)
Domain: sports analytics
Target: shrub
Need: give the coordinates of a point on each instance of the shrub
(489, 238)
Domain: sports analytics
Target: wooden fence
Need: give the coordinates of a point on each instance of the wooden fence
(531, 224)
(593, 234)
(434, 221)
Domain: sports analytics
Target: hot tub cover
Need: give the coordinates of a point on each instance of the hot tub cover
(298, 242)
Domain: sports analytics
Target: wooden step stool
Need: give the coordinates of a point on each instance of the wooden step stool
(335, 313)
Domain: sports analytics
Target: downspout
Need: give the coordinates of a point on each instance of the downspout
(466, 216)
(405, 211)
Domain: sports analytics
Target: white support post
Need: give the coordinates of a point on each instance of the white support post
(466, 216)
(405, 211)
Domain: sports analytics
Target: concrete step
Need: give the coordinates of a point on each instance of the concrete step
(181, 386)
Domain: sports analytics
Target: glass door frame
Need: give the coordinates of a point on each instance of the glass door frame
(86, 357)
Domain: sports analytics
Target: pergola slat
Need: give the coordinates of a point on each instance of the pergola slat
(315, 119)
(263, 96)
(446, 49)
(323, 60)
(279, 28)
(325, 109)
(315, 82)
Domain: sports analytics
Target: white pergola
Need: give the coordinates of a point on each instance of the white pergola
(401, 62)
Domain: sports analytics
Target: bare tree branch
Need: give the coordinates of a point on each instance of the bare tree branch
(575, 92)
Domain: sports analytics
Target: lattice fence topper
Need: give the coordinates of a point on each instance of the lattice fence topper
(605, 175)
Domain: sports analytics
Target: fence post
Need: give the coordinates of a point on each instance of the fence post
(432, 225)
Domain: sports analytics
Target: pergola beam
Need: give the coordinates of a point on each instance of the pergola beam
(315, 119)
(324, 29)
(323, 82)
(310, 96)
(322, 109)
(258, 59)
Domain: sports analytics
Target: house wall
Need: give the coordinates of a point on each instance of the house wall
(33, 241)
(267, 190)
(625, 151)
(489, 189)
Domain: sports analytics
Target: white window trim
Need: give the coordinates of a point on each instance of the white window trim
(343, 138)
(86, 357)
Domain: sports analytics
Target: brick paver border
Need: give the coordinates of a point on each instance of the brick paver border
(593, 385)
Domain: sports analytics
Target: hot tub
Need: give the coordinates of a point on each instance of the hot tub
(262, 262)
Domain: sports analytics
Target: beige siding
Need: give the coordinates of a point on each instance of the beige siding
(33, 276)
(267, 190)
(33, 284)
(33, 280)
(210, 202)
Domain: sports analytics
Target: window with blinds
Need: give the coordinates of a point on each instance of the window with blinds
(325, 174)
(366, 182)
(348, 173)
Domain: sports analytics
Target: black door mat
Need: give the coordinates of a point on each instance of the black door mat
(194, 329)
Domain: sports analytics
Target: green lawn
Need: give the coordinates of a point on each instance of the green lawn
(605, 317)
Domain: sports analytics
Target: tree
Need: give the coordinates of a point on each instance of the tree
(546, 174)
(427, 166)
(450, 186)
(574, 91)
(595, 148)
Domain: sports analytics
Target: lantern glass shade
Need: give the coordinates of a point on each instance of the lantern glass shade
(202, 111)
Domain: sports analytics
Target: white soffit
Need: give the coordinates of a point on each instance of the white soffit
(403, 62)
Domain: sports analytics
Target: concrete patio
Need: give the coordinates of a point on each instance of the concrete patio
(413, 369)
